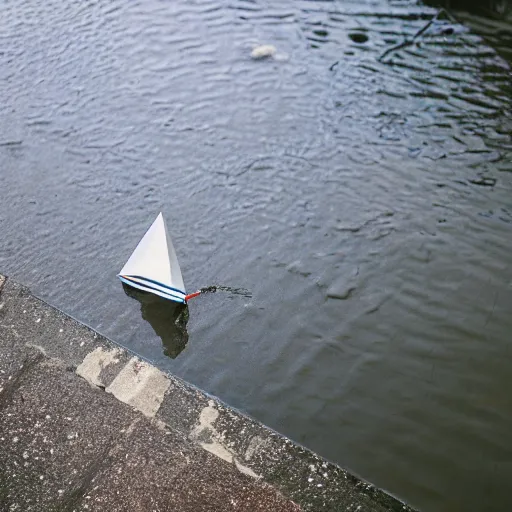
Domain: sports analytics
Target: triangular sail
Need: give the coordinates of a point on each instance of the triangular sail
(154, 266)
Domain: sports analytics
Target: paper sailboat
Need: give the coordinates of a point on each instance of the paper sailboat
(153, 267)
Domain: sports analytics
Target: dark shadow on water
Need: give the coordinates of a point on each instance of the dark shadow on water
(167, 318)
(500, 9)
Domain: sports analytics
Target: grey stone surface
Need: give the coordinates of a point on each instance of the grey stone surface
(56, 433)
(86, 426)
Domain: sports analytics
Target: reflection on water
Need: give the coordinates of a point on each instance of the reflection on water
(167, 318)
(500, 9)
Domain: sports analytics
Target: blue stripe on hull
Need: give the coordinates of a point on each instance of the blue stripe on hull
(171, 295)
(155, 285)
(158, 284)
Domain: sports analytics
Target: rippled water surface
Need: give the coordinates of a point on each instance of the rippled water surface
(366, 205)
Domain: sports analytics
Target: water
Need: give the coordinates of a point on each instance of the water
(365, 206)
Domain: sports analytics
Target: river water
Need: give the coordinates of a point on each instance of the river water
(365, 205)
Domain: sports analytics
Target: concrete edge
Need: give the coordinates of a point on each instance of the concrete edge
(254, 449)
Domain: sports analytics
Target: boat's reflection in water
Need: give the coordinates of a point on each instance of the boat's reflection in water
(167, 318)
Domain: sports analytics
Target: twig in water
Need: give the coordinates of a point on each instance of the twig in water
(236, 291)
(11, 143)
(409, 42)
(208, 289)
(214, 288)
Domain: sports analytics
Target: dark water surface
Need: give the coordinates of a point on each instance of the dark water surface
(367, 208)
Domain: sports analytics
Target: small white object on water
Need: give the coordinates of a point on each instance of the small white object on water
(263, 51)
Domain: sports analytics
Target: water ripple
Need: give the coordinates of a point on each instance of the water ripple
(364, 203)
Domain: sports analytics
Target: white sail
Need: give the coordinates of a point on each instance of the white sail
(153, 265)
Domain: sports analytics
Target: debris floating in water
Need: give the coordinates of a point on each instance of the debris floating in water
(409, 42)
(11, 143)
(263, 51)
(208, 289)
(235, 291)
(214, 288)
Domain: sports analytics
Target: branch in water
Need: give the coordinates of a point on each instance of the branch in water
(410, 42)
